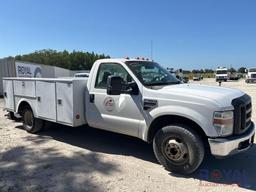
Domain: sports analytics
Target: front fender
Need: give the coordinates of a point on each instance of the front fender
(203, 119)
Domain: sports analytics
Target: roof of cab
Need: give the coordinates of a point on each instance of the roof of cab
(121, 60)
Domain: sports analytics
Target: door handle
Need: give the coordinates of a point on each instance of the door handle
(92, 98)
(59, 101)
(39, 99)
(5, 94)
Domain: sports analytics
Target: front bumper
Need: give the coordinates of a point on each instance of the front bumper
(251, 80)
(221, 147)
(222, 78)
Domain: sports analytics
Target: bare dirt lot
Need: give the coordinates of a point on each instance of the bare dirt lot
(85, 159)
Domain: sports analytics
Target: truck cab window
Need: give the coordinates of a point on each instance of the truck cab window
(107, 69)
(151, 73)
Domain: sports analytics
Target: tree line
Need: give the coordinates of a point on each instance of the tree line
(79, 60)
(75, 60)
(231, 70)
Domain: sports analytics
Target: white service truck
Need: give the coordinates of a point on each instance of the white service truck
(141, 99)
(221, 74)
(251, 75)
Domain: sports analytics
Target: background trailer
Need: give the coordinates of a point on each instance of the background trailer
(9, 67)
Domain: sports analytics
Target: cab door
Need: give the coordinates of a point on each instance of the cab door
(117, 113)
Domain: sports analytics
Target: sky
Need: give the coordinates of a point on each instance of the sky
(188, 34)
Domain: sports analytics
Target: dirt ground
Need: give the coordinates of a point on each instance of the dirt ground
(85, 159)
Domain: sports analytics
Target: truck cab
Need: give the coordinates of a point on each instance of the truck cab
(251, 75)
(140, 98)
(221, 74)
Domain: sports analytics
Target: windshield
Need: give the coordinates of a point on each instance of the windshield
(221, 72)
(252, 70)
(151, 73)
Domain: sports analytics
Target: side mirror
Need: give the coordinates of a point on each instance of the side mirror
(114, 85)
(133, 88)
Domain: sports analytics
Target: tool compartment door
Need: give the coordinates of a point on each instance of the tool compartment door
(46, 100)
(24, 88)
(65, 110)
(8, 94)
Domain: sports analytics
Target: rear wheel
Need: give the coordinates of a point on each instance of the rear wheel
(179, 149)
(11, 116)
(30, 123)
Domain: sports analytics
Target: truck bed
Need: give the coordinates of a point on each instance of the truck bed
(60, 100)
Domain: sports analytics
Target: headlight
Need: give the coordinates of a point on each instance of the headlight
(223, 122)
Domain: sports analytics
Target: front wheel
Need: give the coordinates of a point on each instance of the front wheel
(30, 123)
(179, 149)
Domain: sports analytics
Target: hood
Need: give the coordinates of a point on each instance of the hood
(221, 95)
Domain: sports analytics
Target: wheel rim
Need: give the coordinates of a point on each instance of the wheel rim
(28, 119)
(175, 150)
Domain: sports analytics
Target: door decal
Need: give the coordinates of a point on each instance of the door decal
(109, 104)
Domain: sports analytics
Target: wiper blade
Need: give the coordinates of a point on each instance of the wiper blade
(163, 83)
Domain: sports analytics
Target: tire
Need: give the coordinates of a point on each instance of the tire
(179, 149)
(30, 123)
(11, 116)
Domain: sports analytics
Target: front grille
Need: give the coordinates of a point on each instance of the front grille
(253, 76)
(242, 113)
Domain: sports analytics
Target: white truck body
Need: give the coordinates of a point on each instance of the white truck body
(57, 100)
(221, 74)
(251, 75)
(141, 114)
